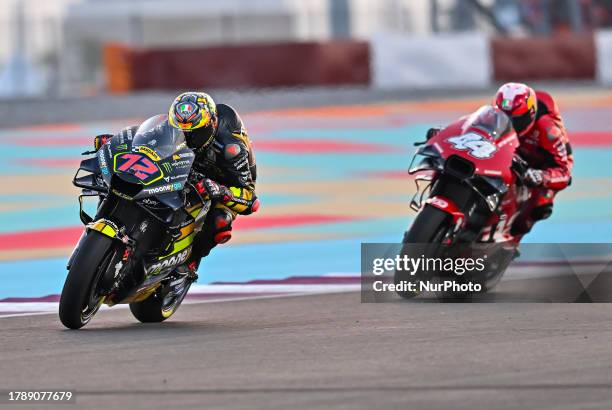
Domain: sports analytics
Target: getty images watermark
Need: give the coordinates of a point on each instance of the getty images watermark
(389, 270)
(411, 273)
(487, 272)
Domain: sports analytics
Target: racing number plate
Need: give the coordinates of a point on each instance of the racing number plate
(138, 165)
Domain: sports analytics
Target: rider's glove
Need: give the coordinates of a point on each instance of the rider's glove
(100, 140)
(533, 177)
(214, 190)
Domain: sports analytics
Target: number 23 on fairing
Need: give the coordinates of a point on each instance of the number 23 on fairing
(476, 145)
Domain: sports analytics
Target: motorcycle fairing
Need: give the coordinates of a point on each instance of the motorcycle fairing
(156, 163)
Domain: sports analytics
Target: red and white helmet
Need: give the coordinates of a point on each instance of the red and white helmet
(520, 103)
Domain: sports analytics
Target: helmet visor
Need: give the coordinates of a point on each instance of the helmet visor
(521, 123)
(200, 137)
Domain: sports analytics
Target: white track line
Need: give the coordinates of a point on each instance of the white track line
(18, 309)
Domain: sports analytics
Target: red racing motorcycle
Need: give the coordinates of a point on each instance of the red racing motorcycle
(469, 189)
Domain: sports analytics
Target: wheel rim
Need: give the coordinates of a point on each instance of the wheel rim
(170, 305)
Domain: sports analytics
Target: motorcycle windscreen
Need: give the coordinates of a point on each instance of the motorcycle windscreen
(158, 162)
(492, 121)
(153, 152)
(157, 139)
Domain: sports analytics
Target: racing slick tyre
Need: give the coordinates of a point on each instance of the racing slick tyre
(160, 305)
(431, 226)
(80, 299)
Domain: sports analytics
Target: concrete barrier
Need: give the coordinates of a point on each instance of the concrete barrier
(455, 61)
(387, 62)
(564, 57)
(245, 66)
(603, 56)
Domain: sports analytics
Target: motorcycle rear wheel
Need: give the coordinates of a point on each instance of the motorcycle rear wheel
(80, 300)
(157, 308)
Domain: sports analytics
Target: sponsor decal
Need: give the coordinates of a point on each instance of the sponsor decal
(181, 155)
(439, 203)
(102, 162)
(476, 145)
(175, 177)
(167, 167)
(121, 194)
(243, 163)
(118, 267)
(150, 201)
(160, 189)
(181, 164)
(172, 261)
(143, 226)
(122, 147)
(143, 149)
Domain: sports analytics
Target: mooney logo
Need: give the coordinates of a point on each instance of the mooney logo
(160, 189)
(177, 259)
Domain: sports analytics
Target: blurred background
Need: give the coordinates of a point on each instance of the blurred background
(333, 94)
(88, 47)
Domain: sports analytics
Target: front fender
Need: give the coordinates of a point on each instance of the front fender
(447, 205)
(105, 227)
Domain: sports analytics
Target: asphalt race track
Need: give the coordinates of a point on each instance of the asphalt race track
(296, 334)
(326, 351)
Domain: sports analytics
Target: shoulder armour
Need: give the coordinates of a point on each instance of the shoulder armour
(229, 118)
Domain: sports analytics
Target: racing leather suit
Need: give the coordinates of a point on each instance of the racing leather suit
(545, 147)
(230, 162)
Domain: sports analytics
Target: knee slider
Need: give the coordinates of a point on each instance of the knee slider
(222, 237)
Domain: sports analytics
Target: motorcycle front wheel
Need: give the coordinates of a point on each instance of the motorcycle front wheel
(81, 299)
(431, 227)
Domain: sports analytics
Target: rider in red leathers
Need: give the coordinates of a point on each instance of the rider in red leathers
(544, 146)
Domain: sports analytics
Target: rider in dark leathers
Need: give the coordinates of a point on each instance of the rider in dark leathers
(224, 168)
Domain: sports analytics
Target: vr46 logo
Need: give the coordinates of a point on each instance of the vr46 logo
(476, 145)
(177, 259)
